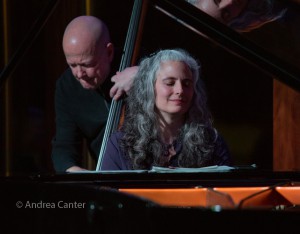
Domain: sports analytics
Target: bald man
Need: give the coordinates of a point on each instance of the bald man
(83, 92)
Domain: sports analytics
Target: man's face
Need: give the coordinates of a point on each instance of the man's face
(222, 10)
(90, 67)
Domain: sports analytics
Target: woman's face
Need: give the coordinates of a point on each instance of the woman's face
(174, 88)
(222, 10)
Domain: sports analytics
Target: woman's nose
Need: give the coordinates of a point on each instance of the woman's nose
(178, 88)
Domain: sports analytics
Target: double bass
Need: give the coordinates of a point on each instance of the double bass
(129, 56)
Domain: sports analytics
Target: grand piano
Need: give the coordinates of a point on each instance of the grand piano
(253, 84)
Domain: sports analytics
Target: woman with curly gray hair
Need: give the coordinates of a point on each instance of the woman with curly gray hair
(167, 122)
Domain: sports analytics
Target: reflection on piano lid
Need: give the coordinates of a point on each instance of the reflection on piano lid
(236, 43)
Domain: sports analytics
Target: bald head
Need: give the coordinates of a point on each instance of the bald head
(85, 33)
(88, 50)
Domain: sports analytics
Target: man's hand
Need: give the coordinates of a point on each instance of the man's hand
(123, 82)
(75, 168)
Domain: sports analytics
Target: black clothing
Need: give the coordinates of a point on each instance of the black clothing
(80, 113)
(116, 159)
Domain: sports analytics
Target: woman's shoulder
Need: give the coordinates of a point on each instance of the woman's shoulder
(117, 135)
(222, 151)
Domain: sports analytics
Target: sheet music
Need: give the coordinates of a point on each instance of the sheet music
(109, 172)
(214, 168)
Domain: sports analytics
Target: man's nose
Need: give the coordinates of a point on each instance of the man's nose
(232, 3)
(79, 72)
(226, 3)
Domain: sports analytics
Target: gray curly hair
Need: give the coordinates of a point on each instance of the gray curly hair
(142, 141)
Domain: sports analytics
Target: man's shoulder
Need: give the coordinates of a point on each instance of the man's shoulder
(66, 78)
(68, 83)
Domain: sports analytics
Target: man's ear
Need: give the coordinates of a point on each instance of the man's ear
(110, 50)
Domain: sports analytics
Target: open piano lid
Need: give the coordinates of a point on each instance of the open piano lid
(281, 68)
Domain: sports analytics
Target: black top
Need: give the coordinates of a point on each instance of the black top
(116, 159)
(80, 114)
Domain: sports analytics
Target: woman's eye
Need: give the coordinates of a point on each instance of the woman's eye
(169, 82)
(187, 83)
